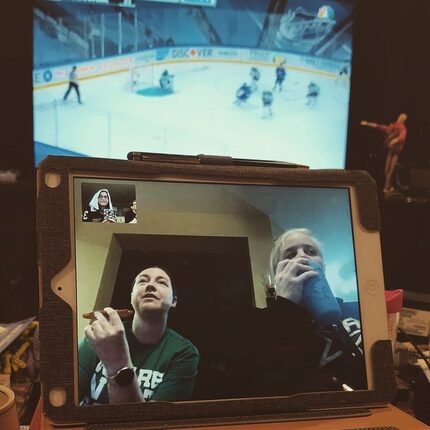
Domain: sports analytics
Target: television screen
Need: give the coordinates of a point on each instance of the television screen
(241, 78)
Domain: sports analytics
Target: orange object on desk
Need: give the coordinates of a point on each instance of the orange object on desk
(394, 301)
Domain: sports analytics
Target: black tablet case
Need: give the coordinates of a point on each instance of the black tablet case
(56, 319)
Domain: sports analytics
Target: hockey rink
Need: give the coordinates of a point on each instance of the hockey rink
(199, 117)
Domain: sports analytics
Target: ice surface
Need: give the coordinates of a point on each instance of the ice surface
(200, 117)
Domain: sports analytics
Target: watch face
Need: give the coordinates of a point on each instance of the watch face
(124, 376)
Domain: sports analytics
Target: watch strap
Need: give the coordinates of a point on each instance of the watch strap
(123, 377)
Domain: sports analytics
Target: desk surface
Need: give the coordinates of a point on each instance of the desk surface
(388, 416)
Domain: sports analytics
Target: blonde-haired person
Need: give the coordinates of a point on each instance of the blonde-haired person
(289, 260)
(291, 345)
(304, 294)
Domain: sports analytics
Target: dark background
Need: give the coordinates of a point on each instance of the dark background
(391, 69)
(390, 75)
(197, 266)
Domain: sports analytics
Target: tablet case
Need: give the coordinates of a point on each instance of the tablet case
(56, 316)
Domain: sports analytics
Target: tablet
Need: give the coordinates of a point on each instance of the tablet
(189, 294)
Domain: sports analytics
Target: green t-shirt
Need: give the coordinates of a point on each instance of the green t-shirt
(165, 371)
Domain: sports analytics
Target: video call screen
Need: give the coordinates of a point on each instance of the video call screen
(233, 78)
(247, 336)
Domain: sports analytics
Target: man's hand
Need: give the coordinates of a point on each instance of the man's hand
(107, 337)
(290, 277)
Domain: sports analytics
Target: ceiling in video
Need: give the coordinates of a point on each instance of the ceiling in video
(240, 78)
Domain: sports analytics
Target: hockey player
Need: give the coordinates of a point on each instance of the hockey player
(267, 99)
(343, 74)
(255, 77)
(166, 81)
(280, 76)
(73, 84)
(243, 93)
(313, 93)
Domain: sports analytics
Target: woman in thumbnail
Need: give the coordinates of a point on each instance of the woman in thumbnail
(100, 208)
(138, 360)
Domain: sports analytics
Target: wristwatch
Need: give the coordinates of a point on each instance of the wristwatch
(124, 376)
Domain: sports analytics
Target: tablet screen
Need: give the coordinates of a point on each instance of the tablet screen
(220, 290)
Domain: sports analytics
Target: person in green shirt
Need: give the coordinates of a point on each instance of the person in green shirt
(141, 360)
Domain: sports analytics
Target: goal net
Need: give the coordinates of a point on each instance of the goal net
(142, 77)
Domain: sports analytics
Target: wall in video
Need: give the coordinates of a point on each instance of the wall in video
(161, 77)
(218, 291)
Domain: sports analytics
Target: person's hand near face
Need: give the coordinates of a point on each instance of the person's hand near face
(293, 270)
(107, 336)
